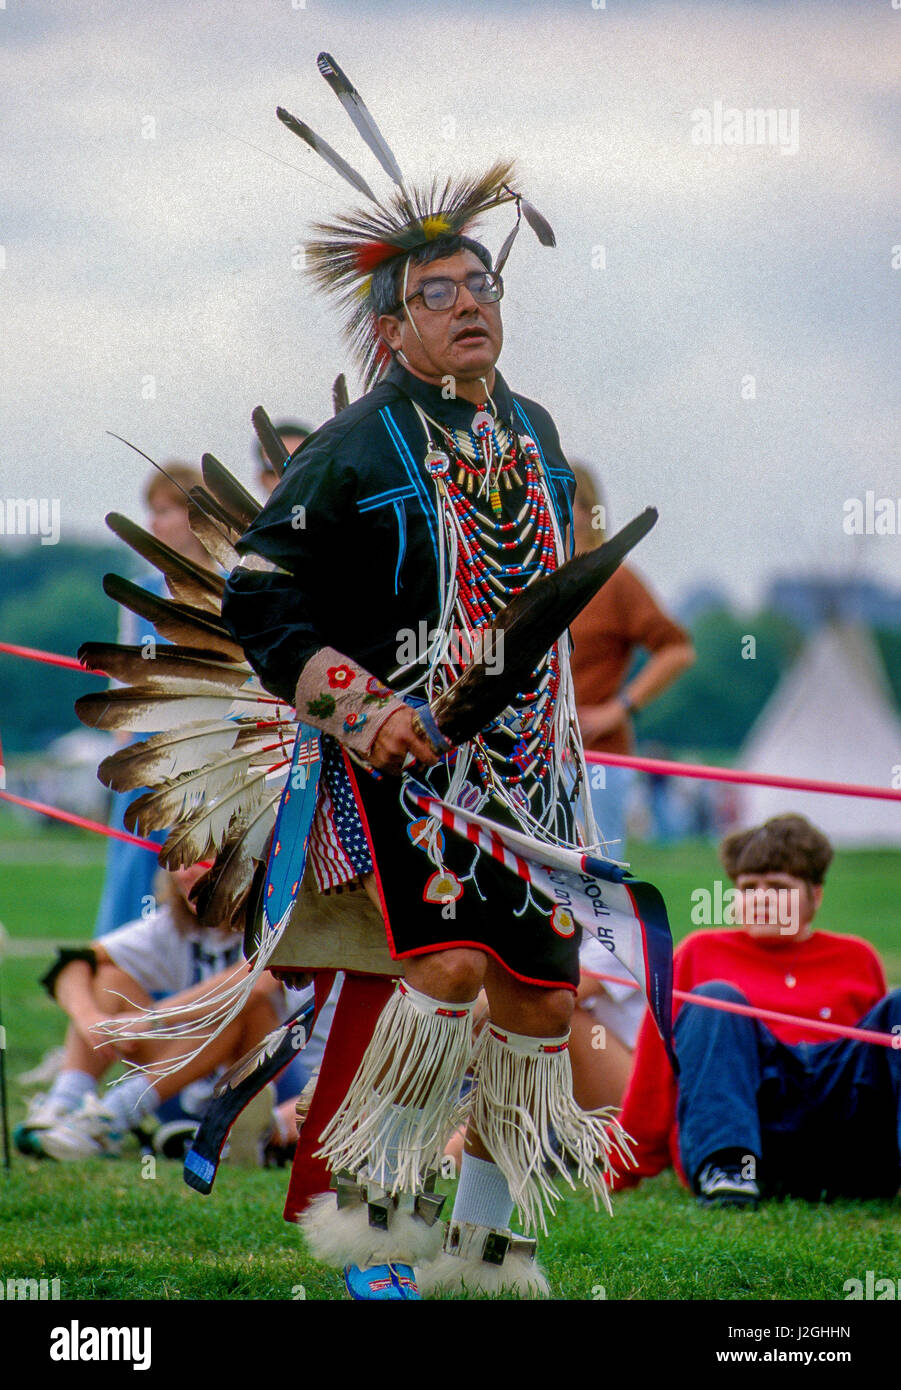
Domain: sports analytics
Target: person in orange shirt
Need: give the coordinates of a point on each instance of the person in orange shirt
(773, 1108)
(622, 617)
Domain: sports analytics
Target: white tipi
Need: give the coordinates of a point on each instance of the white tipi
(831, 717)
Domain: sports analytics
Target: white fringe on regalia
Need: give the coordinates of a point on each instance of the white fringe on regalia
(404, 1102)
(522, 1095)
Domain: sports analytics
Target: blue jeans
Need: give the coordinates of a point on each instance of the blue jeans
(820, 1117)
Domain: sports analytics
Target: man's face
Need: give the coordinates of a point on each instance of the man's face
(774, 907)
(464, 341)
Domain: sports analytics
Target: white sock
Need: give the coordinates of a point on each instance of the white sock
(130, 1100)
(483, 1197)
(70, 1088)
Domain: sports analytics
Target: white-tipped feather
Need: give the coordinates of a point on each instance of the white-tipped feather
(167, 755)
(149, 711)
(168, 805)
(205, 829)
(359, 113)
(221, 895)
(218, 749)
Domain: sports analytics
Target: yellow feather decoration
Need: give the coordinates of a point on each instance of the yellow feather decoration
(434, 226)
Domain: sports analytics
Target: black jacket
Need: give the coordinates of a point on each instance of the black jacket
(353, 522)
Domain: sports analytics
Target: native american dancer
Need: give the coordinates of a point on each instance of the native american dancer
(400, 532)
(405, 591)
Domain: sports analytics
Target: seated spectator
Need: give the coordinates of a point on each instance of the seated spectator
(165, 954)
(773, 1108)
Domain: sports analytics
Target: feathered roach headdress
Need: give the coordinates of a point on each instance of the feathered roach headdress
(347, 251)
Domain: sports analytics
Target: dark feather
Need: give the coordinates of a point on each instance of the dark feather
(270, 441)
(188, 582)
(232, 496)
(133, 666)
(217, 515)
(340, 397)
(531, 623)
(504, 252)
(217, 541)
(325, 151)
(177, 622)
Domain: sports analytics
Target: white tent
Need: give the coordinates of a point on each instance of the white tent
(831, 718)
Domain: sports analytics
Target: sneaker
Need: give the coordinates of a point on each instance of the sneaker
(382, 1283)
(723, 1185)
(43, 1113)
(46, 1070)
(173, 1139)
(90, 1132)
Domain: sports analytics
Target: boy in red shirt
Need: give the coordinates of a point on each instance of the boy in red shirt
(773, 1107)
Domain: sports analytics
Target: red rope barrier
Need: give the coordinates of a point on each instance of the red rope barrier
(729, 774)
(71, 819)
(51, 658)
(835, 1030)
(661, 765)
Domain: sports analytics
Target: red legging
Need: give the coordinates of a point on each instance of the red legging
(360, 1002)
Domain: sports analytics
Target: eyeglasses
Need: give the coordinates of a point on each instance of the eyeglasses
(485, 286)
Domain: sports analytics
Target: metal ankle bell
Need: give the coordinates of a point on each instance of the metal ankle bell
(490, 1245)
(351, 1190)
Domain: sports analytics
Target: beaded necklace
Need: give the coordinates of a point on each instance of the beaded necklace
(487, 555)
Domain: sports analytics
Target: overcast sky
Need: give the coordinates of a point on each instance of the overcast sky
(148, 285)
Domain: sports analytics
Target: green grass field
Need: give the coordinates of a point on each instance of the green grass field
(130, 1228)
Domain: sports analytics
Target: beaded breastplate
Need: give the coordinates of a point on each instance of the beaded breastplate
(498, 534)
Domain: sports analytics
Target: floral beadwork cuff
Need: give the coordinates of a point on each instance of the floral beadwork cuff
(337, 696)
